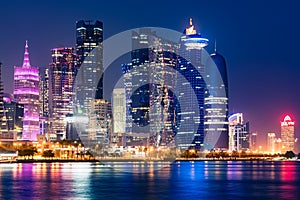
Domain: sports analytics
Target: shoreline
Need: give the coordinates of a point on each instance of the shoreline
(136, 160)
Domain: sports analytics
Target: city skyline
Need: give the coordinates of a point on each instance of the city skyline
(246, 62)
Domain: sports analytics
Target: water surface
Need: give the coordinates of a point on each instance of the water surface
(180, 180)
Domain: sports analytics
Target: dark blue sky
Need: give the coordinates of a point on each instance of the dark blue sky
(259, 40)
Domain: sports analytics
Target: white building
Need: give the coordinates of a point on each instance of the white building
(238, 133)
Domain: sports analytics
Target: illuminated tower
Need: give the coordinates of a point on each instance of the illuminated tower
(191, 65)
(62, 73)
(287, 134)
(216, 104)
(89, 38)
(26, 92)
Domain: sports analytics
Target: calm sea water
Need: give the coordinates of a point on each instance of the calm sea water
(184, 180)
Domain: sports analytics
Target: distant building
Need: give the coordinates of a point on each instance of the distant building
(287, 134)
(253, 141)
(271, 143)
(26, 92)
(238, 133)
(62, 73)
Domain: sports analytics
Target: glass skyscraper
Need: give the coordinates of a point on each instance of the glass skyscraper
(62, 73)
(26, 92)
(148, 81)
(89, 38)
(192, 89)
(216, 104)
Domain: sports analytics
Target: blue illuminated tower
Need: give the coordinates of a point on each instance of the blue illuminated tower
(191, 88)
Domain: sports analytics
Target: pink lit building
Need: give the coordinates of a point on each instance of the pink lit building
(26, 92)
(287, 134)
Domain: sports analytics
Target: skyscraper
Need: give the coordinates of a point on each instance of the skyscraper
(287, 134)
(238, 133)
(89, 38)
(191, 65)
(62, 73)
(26, 92)
(148, 81)
(216, 104)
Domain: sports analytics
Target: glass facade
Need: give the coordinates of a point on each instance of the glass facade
(62, 73)
(89, 38)
(26, 92)
(191, 65)
(148, 81)
(216, 105)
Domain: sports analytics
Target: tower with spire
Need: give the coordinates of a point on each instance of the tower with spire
(204, 123)
(26, 92)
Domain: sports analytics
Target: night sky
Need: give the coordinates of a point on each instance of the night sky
(259, 41)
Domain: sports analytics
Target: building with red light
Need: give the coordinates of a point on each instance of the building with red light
(287, 134)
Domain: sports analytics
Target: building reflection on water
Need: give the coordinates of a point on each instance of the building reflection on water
(180, 180)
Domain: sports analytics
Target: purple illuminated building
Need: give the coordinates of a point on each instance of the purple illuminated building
(26, 92)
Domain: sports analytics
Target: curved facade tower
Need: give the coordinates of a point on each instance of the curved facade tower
(216, 104)
(26, 92)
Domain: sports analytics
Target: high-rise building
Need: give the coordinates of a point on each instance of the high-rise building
(62, 74)
(271, 142)
(89, 48)
(191, 65)
(149, 80)
(238, 133)
(26, 92)
(287, 134)
(216, 104)
(119, 110)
